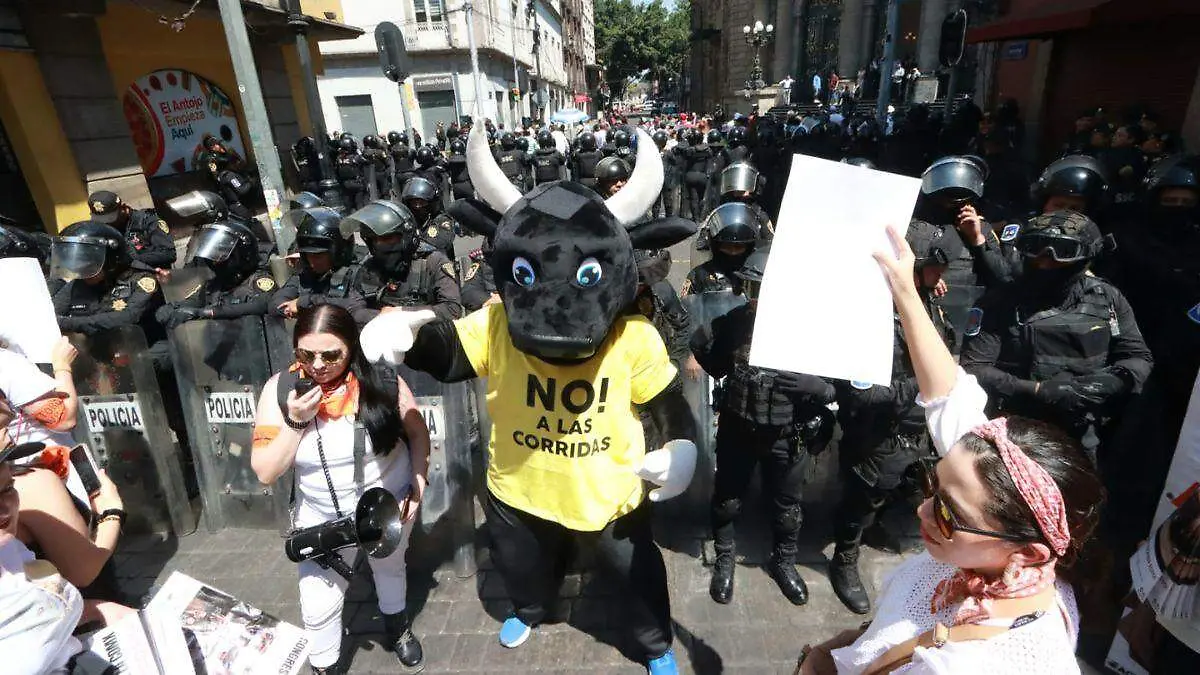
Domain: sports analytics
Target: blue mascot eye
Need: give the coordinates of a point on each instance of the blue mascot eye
(589, 273)
(522, 272)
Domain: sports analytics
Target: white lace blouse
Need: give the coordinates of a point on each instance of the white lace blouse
(1045, 645)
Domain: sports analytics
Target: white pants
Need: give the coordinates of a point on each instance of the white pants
(323, 593)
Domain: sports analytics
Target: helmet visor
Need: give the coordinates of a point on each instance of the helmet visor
(740, 177)
(957, 179)
(215, 243)
(1061, 248)
(733, 223)
(74, 258)
(379, 218)
(197, 202)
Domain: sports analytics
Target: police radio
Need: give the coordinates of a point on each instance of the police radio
(376, 527)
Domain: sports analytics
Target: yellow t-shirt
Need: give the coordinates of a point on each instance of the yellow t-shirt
(565, 439)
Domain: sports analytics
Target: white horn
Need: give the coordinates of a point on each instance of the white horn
(489, 181)
(635, 199)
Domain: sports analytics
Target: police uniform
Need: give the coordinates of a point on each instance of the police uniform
(697, 165)
(150, 241)
(515, 165)
(402, 161)
(547, 166)
(437, 234)
(460, 177)
(335, 288)
(130, 300)
(709, 277)
(583, 167)
(478, 282)
(430, 282)
(250, 297)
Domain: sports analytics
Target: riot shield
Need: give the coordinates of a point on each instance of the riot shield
(121, 416)
(186, 281)
(702, 396)
(956, 306)
(220, 368)
(447, 522)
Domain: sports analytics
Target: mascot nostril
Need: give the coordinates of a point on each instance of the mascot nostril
(568, 372)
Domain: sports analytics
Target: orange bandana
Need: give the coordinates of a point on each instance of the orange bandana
(338, 399)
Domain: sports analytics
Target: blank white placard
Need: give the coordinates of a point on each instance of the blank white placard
(825, 308)
(27, 320)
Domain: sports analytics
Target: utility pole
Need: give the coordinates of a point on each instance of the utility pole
(952, 82)
(889, 62)
(298, 22)
(469, 9)
(516, 103)
(543, 85)
(266, 156)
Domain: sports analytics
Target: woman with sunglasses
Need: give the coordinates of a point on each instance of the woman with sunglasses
(1009, 506)
(316, 434)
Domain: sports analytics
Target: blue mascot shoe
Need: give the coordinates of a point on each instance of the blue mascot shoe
(514, 633)
(663, 665)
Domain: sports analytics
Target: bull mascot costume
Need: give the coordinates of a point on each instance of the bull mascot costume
(568, 373)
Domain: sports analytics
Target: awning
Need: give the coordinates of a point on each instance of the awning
(1049, 17)
(583, 98)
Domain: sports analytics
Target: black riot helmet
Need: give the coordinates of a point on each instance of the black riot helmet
(545, 139)
(390, 232)
(737, 136)
(18, 243)
(305, 200)
(426, 156)
(1065, 236)
(954, 179)
(587, 141)
(403, 138)
(226, 247)
(611, 170)
(508, 141)
(86, 249)
(319, 231)
(1074, 176)
(1173, 197)
(204, 205)
(733, 223)
(425, 190)
(523, 143)
(653, 265)
(714, 138)
(933, 245)
(660, 138)
(372, 142)
(740, 180)
(393, 137)
(347, 144)
(457, 147)
(695, 136)
(452, 133)
(620, 138)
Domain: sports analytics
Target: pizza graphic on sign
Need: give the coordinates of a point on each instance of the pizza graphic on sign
(169, 113)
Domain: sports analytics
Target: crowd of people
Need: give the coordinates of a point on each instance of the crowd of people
(1047, 339)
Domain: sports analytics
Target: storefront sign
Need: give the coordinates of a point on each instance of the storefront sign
(169, 112)
(432, 83)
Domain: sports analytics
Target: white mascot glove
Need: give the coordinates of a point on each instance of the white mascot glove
(670, 467)
(391, 334)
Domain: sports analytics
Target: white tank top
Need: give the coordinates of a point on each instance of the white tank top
(393, 472)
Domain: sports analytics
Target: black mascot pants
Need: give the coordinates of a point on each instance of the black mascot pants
(741, 446)
(528, 550)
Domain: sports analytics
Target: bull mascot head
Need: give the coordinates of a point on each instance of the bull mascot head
(563, 257)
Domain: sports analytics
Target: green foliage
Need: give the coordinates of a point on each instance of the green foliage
(633, 37)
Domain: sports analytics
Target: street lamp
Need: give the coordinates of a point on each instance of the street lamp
(757, 36)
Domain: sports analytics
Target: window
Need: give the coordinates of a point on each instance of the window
(429, 11)
(357, 113)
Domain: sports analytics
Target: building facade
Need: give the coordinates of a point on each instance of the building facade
(521, 46)
(579, 51)
(85, 107)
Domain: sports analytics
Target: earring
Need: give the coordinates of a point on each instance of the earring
(1012, 572)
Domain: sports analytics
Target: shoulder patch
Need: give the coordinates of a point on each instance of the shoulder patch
(265, 284)
(974, 322)
(148, 284)
(1010, 232)
(1194, 314)
(162, 225)
(431, 231)
(448, 268)
(860, 385)
(119, 305)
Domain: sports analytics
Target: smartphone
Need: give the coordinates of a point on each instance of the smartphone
(85, 466)
(303, 386)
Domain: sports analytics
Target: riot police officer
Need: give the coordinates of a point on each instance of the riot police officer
(19, 243)
(403, 159)
(435, 229)
(349, 166)
(103, 289)
(585, 159)
(742, 182)
(430, 165)
(151, 246)
(307, 159)
(548, 162)
(670, 192)
(376, 161)
(1076, 183)
(1060, 344)
(326, 257)
(478, 281)
(513, 161)
(228, 171)
(883, 428)
(697, 158)
(611, 175)
(391, 277)
(457, 172)
(766, 416)
(622, 146)
(237, 287)
(734, 230)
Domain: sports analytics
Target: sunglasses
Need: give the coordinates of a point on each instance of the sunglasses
(944, 516)
(1061, 249)
(329, 357)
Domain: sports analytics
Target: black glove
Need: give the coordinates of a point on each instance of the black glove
(181, 315)
(799, 384)
(1098, 387)
(1061, 394)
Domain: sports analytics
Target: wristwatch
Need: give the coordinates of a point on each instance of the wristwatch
(119, 514)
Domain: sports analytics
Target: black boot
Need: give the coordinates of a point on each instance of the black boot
(782, 569)
(335, 669)
(847, 584)
(399, 633)
(721, 587)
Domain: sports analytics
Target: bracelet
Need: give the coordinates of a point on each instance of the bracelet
(110, 514)
(298, 426)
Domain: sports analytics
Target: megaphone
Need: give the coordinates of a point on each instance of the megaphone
(375, 527)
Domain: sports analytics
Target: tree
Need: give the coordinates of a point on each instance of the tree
(633, 38)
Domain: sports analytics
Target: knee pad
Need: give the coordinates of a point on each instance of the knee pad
(790, 518)
(728, 509)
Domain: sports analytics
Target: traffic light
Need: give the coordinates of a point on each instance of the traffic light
(953, 39)
(393, 56)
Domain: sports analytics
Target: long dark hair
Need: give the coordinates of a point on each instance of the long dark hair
(1083, 494)
(377, 388)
